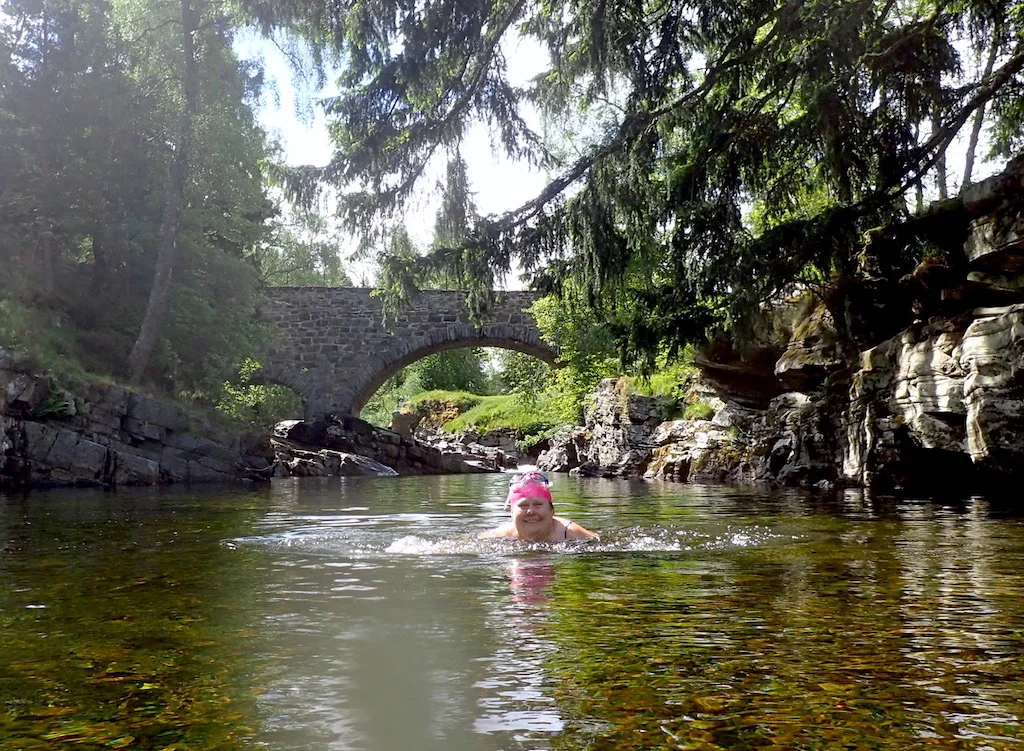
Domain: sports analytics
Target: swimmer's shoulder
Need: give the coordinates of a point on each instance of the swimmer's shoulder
(574, 531)
(504, 530)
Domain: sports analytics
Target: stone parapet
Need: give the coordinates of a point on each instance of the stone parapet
(334, 347)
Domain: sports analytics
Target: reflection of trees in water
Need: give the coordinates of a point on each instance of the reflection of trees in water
(882, 630)
(962, 609)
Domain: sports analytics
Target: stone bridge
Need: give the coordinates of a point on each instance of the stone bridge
(333, 349)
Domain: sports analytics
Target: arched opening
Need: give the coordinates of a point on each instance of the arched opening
(261, 399)
(459, 369)
(459, 390)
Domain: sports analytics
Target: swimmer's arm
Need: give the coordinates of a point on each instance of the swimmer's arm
(575, 532)
(502, 531)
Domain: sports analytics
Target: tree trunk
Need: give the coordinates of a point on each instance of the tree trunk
(940, 165)
(979, 116)
(47, 255)
(171, 222)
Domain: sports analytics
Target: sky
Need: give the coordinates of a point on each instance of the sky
(499, 183)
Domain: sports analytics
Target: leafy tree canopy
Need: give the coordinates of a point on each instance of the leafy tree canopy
(821, 115)
(90, 95)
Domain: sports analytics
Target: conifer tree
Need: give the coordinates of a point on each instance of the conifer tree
(821, 114)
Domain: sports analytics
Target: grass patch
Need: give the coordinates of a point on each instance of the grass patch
(504, 411)
(701, 410)
(431, 401)
(455, 411)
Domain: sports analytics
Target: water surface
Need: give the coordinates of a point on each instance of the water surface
(363, 614)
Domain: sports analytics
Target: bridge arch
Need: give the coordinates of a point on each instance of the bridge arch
(332, 348)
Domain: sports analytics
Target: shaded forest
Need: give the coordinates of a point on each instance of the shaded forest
(704, 162)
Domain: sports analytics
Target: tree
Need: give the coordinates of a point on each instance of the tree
(176, 183)
(90, 93)
(719, 107)
(302, 252)
(453, 370)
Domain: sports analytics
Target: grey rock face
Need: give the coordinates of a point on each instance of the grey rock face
(346, 446)
(616, 440)
(565, 450)
(951, 387)
(103, 435)
(495, 451)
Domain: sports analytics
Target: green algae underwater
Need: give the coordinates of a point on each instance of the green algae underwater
(365, 615)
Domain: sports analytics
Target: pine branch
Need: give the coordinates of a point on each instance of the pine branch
(638, 123)
(936, 146)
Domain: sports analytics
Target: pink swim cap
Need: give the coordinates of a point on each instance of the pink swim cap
(528, 489)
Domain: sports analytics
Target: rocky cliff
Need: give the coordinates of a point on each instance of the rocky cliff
(83, 433)
(941, 402)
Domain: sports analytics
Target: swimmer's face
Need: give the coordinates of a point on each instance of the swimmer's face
(532, 510)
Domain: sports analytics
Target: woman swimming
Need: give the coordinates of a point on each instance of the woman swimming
(533, 514)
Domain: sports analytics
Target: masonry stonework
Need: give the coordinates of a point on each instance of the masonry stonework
(333, 349)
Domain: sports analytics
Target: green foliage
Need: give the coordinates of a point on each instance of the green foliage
(455, 411)
(390, 396)
(822, 115)
(522, 374)
(90, 96)
(672, 381)
(566, 394)
(700, 410)
(56, 404)
(304, 251)
(456, 370)
(503, 411)
(24, 330)
(452, 370)
(257, 405)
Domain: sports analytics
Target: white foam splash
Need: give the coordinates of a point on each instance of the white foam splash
(413, 545)
(371, 541)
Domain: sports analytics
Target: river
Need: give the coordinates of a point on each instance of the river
(364, 614)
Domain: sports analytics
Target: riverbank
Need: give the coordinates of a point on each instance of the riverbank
(57, 430)
(73, 432)
(931, 392)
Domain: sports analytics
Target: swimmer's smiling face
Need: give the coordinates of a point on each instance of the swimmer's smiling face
(533, 513)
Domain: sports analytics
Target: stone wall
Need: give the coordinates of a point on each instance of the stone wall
(81, 433)
(334, 348)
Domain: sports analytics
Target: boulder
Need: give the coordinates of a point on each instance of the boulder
(812, 352)
(565, 450)
(314, 447)
(405, 423)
